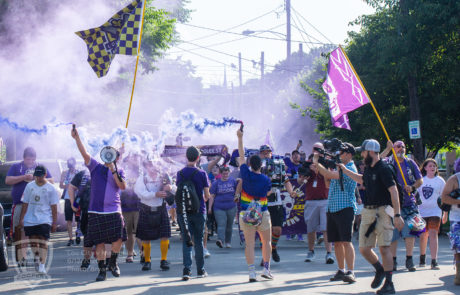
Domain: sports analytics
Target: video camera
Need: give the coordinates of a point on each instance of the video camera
(275, 169)
(330, 157)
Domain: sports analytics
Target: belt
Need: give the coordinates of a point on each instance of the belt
(371, 206)
(149, 208)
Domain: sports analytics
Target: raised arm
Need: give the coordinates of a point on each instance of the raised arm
(353, 175)
(239, 133)
(81, 147)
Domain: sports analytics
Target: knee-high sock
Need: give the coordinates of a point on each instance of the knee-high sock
(164, 245)
(146, 247)
(275, 239)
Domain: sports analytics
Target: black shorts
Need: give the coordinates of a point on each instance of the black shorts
(276, 215)
(340, 225)
(68, 212)
(42, 230)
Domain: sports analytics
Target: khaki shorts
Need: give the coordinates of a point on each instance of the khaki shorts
(131, 219)
(264, 225)
(383, 232)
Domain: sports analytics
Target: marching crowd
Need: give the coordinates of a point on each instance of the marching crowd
(139, 203)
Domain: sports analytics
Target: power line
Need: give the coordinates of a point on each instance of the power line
(242, 24)
(253, 36)
(301, 34)
(229, 41)
(295, 11)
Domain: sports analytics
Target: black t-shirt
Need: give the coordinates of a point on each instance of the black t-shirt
(82, 181)
(377, 180)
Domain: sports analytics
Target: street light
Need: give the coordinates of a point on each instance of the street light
(250, 32)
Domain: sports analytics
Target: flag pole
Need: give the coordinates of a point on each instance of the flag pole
(376, 113)
(137, 62)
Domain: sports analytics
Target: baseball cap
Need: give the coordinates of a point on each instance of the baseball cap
(40, 170)
(349, 148)
(369, 145)
(265, 147)
(192, 153)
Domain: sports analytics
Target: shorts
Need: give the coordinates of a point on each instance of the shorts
(340, 225)
(432, 222)
(276, 215)
(383, 232)
(131, 219)
(454, 236)
(42, 230)
(105, 228)
(405, 232)
(68, 212)
(263, 226)
(315, 215)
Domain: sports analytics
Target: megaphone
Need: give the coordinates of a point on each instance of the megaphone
(109, 154)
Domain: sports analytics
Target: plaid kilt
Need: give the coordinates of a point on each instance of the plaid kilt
(105, 228)
(153, 225)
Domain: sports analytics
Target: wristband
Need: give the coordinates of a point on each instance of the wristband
(398, 215)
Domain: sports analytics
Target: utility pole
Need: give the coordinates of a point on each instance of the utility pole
(288, 33)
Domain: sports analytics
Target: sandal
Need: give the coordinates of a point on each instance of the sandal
(130, 259)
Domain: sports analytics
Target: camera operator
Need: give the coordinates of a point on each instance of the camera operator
(453, 184)
(376, 220)
(275, 205)
(341, 208)
(317, 189)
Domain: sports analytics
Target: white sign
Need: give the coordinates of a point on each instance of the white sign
(414, 130)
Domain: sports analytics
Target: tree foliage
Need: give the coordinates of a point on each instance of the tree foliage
(402, 38)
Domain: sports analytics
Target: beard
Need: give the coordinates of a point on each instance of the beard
(400, 155)
(368, 161)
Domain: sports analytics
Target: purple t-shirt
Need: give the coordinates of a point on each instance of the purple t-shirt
(105, 194)
(224, 192)
(407, 166)
(18, 189)
(200, 180)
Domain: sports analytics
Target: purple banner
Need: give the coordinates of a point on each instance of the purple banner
(294, 222)
(342, 86)
(206, 150)
(342, 122)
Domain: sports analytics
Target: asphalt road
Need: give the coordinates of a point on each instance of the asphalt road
(227, 273)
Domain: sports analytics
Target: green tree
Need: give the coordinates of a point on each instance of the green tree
(406, 54)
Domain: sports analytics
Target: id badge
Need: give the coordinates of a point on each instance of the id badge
(315, 183)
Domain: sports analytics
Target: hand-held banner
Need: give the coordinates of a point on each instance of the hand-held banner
(343, 89)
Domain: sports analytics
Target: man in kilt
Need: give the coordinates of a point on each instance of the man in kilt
(152, 188)
(105, 221)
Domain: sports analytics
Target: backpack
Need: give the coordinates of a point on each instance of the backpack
(186, 198)
(398, 186)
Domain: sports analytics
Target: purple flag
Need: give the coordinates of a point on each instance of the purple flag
(343, 89)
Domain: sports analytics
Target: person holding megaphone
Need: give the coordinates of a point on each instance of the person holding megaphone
(105, 220)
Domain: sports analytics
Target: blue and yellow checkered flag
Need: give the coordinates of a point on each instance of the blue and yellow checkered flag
(119, 35)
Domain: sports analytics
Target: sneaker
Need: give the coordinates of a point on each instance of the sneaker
(228, 245)
(114, 269)
(206, 253)
(320, 240)
(85, 264)
(275, 255)
(310, 256)
(147, 266)
(202, 273)
(186, 274)
(434, 264)
(349, 277)
(164, 265)
(422, 261)
(338, 276)
(252, 276)
(41, 268)
(69, 243)
(219, 244)
(267, 274)
(388, 288)
(300, 238)
(410, 264)
(378, 279)
(78, 240)
(129, 259)
(288, 237)
(329, 258)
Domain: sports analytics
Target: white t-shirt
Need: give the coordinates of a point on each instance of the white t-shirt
(40, 199)
(454, 214)
(430, 191)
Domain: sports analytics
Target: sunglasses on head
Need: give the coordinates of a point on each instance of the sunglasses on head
(400, 145)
